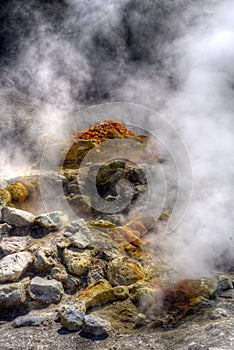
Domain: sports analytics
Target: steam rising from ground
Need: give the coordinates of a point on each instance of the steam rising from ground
(175, 56)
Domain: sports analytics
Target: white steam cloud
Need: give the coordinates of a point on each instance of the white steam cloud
(203, 110)
(174, 56)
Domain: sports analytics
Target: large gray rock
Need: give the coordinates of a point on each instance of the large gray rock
(52, 220)
(85, 236)
(71, 318)
(79, 234)
(29, 320)
(12, 294)
(96, 326)
(13, 266)
(17, 217)
(46, 291)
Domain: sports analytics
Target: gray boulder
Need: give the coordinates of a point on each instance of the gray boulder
(79, 234)
(45, 291)
(13, 266)
(96, 326)
(17, 217)
(29, 320)
(51, 220)
(71, 318)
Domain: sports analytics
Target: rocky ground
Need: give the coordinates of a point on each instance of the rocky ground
(96, 281)
(212, 329)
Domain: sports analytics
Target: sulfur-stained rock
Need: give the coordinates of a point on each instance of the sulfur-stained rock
(76, 261)
(45, 291)
(172, 301)
(186, 294)
(99, 293)
(12, 294)
(96, 326)
(144, 297)
(13, 266)
(124, 271)
(102, 223)
(11, 245)
(18, 192)
(17, 217)
(51, 220)
(5, 197)
(71, 318)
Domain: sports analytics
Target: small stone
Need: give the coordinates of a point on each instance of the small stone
(4, 230)
(218, 314)
(72, 284)
(51, 220)
(12, 294)
(140, 320)
(17, 217)
(29, 320)
(46, 291)
(225, 283)
(13, 266)
(96, 326)
(71, 318)
(59, 273)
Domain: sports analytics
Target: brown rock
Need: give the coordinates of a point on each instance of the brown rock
(18, 192)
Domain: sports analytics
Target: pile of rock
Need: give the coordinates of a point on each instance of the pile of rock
(47, 260)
